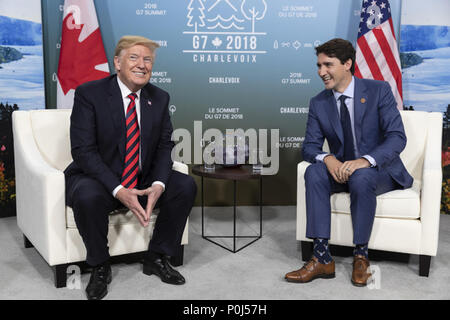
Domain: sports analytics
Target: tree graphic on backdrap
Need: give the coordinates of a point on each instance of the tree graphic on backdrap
(254, 10)
(196, 14)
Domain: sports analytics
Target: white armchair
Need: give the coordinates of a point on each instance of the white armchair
(42, 152)
(406, 221)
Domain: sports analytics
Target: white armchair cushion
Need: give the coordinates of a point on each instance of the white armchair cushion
(117, 217)
(401, 204)
(51, 132)
(417, 130)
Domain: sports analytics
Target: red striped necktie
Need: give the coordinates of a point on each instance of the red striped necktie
(130, 172)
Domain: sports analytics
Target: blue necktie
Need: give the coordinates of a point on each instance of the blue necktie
(349, 149)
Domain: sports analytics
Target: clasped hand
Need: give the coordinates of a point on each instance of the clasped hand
(341, 172)
(129, 198)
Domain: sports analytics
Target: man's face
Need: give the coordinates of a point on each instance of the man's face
(334, 74)
(134, 66)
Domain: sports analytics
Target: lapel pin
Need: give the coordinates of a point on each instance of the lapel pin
(363, 100)
(149, 102)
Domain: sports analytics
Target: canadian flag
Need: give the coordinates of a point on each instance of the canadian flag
(82, 57)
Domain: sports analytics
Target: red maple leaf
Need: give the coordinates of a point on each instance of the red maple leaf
(78, 59)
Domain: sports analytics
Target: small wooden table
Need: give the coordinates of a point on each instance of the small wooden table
(243, 172)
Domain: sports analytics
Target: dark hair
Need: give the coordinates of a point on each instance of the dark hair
(340, 49)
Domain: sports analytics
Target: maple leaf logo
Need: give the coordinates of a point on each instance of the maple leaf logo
(217, 42)
(78, 60)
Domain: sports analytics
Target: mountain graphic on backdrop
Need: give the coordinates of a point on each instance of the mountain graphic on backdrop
(418, 37)
(215, 15)
(19, 32)
(224, 15)
(223, 5)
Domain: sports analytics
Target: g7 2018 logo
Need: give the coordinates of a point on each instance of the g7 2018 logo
(225, 31)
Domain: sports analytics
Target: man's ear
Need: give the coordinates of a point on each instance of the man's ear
(117, 63)
(348, 64)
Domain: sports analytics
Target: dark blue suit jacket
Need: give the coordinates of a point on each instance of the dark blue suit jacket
(378, 127)
(98, 135)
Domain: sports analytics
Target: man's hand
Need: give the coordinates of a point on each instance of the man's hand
(153, 193)
(333, 166)
(341, 172)
(348, 167)
(129, 199)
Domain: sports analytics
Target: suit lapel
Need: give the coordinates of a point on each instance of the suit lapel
(146, 122)
(115, 102)
(360, 107)
(333, 116)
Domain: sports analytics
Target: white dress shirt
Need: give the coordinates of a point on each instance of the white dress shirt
(350, 103)
(126, 101)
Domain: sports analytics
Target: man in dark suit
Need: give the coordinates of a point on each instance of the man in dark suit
(120, 135)
(364, 130)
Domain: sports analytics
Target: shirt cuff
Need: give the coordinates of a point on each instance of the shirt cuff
(372, 161)
(116, 189)
(160, 183)
(321, 156)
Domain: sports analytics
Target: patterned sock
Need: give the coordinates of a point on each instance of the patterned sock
(362, 250)
(321, 251)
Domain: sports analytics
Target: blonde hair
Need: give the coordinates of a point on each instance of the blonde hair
(129, 41)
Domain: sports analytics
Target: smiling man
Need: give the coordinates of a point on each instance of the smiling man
(120, 133)
(364, 130)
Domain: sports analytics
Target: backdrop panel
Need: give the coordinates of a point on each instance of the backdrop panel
(230, 64)
(425, 53)
(21, 82)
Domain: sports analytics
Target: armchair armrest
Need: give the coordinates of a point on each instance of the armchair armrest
(183, 168)
(430, 198)
(301, 200)
(40, 194)
(180, 167)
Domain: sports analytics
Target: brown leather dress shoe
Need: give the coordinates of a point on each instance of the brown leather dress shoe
(311, 270)
(360, 272)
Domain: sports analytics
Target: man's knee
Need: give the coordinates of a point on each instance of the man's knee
(184, 185)
(363, 180)
(90, 195)
(316, 173)
(189, 187)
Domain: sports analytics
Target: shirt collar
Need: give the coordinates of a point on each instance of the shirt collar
(125, 91)
(349, 91)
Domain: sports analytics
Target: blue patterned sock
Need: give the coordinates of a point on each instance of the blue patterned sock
(321, 251)
(361, 250)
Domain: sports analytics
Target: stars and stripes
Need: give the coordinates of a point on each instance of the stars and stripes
(130, 172)
(377, 54)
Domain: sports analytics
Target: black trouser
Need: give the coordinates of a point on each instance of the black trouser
(91, 204)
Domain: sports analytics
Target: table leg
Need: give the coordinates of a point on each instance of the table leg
(203, 205)
(260, 207)
(234, 236)
(234, 217)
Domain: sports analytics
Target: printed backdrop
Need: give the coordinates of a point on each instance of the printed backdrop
(21, 82)
(425, 52)
(229, 64)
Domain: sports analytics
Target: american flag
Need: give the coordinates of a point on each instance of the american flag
(376, 51)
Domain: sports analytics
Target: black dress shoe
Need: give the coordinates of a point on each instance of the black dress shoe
(97, 287)
(163, 270)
